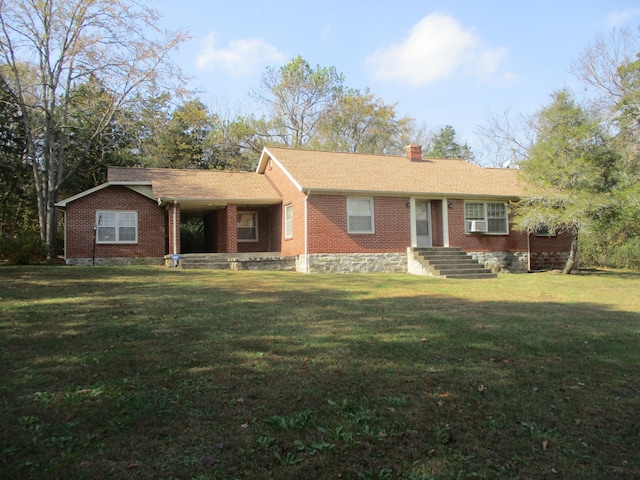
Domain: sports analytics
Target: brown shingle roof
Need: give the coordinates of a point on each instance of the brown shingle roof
(208, 185)
(346, 172)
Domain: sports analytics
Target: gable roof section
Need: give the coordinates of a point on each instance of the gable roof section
(385, 174)
(200, 185)
(143, 188)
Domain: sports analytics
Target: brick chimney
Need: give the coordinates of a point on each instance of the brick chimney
(414, 153)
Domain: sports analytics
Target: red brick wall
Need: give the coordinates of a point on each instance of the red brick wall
(232, 229)
(290, 195)
(549, 252)
(80, 219)
(328, 226)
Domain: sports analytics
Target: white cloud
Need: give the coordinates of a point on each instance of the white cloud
(620, 17)
(240, 58)
(437, 48)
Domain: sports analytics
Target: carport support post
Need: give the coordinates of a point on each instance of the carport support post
(232, 228)
(174, 228)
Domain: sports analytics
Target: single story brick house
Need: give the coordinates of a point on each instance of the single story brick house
(330, 211)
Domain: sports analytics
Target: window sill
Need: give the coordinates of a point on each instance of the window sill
(116, 243)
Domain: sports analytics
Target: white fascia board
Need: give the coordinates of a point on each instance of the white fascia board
(264, 159)
(63, 203)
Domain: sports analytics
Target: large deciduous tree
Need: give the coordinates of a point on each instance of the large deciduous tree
(359, 122)
(297, 97)
(49, 47)
(572, 170)
(114, 145)
(234, 143)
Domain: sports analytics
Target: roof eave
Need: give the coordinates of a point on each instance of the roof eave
(218, 201)
(333, 191)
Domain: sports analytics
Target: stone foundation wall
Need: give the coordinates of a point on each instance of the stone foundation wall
(115, 261)
(264, 263)
(503, 262)
(353, 263)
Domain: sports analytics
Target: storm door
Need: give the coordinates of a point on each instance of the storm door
(423, 223)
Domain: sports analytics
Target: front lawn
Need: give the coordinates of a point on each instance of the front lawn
(141, 372)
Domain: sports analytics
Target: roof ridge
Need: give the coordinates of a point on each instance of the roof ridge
(361, 154)
(316, 150)
(169, 169)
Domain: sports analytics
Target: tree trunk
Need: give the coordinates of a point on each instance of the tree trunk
(573, 252)
(52, 225)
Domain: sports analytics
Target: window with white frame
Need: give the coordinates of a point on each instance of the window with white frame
(485, 217)
(247, 226)
(288, 221)
(116, 227)
(360, 215)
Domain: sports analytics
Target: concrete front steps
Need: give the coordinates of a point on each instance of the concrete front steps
(233, 261)
(449, 262)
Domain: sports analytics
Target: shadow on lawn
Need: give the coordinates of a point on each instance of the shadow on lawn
(137, 369)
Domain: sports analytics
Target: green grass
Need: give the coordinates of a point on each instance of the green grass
(153, 373)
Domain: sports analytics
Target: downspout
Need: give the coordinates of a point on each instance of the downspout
(64, 219)
(175, 233)
(306, 231)
(93, 254)
(95, 239)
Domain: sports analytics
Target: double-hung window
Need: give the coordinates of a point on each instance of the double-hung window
(247, 226)
(486, 217)
(116, 227)
(360, 215)
(288, 221)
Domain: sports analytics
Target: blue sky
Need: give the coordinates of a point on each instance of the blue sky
(442, 62)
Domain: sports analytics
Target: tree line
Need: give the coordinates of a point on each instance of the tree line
(85, 84)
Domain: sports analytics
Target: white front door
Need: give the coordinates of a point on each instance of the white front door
(423, 223)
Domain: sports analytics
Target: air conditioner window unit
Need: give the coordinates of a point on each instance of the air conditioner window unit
(478, 226)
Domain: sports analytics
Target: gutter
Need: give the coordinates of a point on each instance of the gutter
(433, 195)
